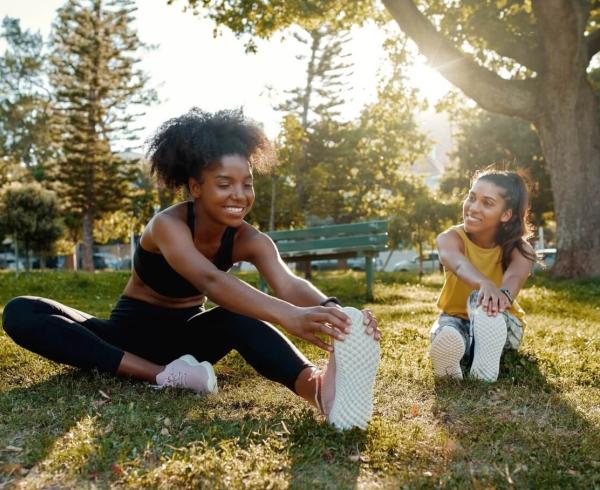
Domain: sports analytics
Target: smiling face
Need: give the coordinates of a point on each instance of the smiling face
(226, 191)
(484, 209)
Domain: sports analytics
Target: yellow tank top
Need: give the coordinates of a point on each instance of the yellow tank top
(488, 261)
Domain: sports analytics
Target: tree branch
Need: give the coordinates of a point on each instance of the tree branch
(561, 25)
(593, 43)
(510, 46)
(490, 91)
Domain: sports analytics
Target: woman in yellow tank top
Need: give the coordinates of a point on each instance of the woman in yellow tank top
(486, 262)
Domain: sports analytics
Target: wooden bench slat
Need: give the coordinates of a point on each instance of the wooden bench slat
(333, 241)
(374, 227)
(333, 245)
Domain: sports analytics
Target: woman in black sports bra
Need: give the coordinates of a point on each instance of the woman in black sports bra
(159, 330)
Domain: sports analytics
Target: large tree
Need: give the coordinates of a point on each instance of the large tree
(98, 82)
(357, 165)
(30, 214)
(25, 104)
(526, 58)
(311, 115)
(315, 103)
(137, 208)
(390, 141)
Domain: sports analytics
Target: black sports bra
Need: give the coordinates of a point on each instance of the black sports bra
(155, 271)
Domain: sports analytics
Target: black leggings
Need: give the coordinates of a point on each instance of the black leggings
(152, 332)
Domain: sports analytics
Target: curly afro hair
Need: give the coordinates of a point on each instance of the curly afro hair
(185, 146)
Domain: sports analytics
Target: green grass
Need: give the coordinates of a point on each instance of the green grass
(538, 426)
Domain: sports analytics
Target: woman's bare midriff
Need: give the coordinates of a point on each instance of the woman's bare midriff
(138, 290)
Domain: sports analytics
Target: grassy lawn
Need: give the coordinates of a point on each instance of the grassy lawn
(538, 426)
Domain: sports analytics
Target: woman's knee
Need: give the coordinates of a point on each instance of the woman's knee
(17, 314)
(242, 326)
(244, 331)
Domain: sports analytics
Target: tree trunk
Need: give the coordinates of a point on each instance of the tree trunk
(570, 137)
(88, 241)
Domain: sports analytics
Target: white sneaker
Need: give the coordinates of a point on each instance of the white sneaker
(187, 372)
(446, 351)
(489, 337)
(356, 361)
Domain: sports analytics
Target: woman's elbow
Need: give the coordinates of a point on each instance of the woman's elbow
(210, 281)
(444, 258)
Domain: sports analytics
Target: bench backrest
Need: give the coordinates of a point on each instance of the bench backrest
(354, 238)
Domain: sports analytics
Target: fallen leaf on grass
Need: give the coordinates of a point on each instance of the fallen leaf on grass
(356, 457)
(328, 456)
(10, 469)
(104, 394)
(414, 411)
(451, 447)
(116, 469)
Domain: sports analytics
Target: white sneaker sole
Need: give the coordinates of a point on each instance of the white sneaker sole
(356, 362)
(489, 337)
(447, 349)
(212, 378)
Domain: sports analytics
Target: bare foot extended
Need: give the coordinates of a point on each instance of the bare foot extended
(345, 386)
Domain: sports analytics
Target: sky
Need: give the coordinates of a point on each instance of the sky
(190, 67)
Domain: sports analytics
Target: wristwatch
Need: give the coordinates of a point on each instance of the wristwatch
(331, 299)
(508, 294)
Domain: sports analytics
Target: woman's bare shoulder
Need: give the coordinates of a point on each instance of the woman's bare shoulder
(167, 220)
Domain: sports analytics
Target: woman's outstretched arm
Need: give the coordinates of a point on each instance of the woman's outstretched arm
(175, 242)
(518, 271)
(452, 256)
(262, 252)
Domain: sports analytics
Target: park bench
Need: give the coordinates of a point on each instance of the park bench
(364, 239)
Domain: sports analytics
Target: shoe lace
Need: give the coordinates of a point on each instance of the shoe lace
(176, 378)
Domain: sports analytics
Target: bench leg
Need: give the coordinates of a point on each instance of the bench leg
(369, 270)
(262, 284)
(307, 270)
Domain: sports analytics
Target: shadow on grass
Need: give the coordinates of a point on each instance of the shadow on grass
(80, 428)
(520, 431)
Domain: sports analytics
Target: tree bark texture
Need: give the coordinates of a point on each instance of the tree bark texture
(88, 242)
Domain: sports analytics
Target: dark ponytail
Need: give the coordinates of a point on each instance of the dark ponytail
(186, 145)
(514, 233)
